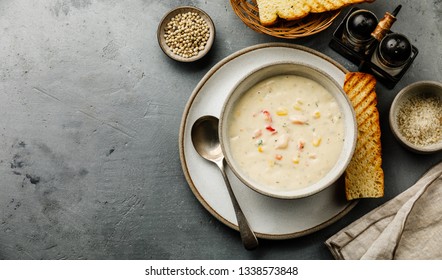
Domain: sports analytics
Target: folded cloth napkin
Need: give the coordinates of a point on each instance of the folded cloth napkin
(408, 227)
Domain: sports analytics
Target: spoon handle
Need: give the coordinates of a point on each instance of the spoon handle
(248, 237)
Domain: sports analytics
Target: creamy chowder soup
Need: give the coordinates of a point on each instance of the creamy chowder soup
(286, 131)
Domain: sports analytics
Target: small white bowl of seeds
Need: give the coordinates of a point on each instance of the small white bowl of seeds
(416, 117)
(186, 33)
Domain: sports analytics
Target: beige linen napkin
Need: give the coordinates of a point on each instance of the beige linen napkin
(407, 227)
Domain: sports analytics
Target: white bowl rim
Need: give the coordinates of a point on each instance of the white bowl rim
(305, 191)
(392, 116)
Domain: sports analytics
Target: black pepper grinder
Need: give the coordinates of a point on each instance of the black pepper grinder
(394, 50)
(358, 29)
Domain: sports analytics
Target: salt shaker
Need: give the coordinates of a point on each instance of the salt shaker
(394, 50)
(393, 53)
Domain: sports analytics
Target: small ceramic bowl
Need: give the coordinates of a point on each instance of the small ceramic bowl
(161, 31)
(346, 110)
(427, 89)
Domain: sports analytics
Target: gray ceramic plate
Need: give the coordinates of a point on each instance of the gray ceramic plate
(271, 218)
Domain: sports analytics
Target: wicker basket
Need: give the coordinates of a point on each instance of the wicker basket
(247, 10)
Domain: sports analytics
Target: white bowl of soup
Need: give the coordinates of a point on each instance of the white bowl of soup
(288, 130)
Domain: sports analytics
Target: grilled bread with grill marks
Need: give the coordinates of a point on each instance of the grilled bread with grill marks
(364, 177)
(270, 10)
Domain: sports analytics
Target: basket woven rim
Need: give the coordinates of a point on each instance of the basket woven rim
(247, 11)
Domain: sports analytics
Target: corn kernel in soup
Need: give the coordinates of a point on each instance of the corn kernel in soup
(286, 132)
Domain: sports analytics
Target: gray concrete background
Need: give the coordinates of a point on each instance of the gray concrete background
(90, 110)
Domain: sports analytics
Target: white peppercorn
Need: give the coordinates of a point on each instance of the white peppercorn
(186, 34)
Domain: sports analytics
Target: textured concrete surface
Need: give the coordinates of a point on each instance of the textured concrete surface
(90, 110)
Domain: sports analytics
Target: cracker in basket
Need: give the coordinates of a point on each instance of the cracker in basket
(271, 10)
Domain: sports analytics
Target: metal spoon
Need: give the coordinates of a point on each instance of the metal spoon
(206, 142)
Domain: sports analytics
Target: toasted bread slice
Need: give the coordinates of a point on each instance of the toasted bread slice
(271, 10)
(364, 177)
